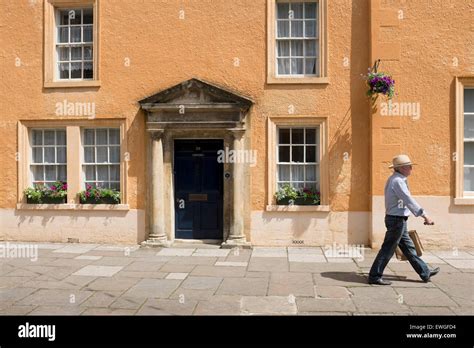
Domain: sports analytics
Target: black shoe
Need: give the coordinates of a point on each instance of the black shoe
(433, 272)
(380, 281)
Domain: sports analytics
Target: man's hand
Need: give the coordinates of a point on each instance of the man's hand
(428, 221)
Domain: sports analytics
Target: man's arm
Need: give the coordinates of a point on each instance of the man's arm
(402, 192)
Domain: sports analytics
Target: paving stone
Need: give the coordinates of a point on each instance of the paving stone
(126, 302)
(101, 299)
(192, 294)
(469, 264)
(219, 305)
(332, 292)
(177, 276)
(218, 271)
(304, 251)
(325, 313)
(98, 271)
(57, 310)
(460, 288)
(9, 282)
(231, 264)
(258, 275)
(133, 274)
(239, 255)
(268, 305)
(17, 310)
(211, 252)
(307, 304)
(167, 307)
(153, 288)
(6, 268)
(407, 280)
(47, 297)
(138, 266)
(193, 260)
(76, 248)
(306, 258)
(431, 311)
(201, 283)
(296, 284)
(88, 257)
(452, 254)
(269, 252)
(173, 268)
(425, 297)
(340, 279)
(270, 264)
(70, 263)
(108, 311)
(243, 286)
(58, 273)
(378, 299)
(122, 248)
(175, 252)
(114, 261)
(323, 267)
(13, 295)
(115, 283)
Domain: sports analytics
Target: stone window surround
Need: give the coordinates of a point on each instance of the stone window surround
(461, 198)
(272, 131)
(74, 162)
(272, 78)
(50, 7)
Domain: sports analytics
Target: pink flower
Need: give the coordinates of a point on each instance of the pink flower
(64, 187)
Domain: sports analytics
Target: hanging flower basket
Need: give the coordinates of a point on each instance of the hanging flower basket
(379, 83)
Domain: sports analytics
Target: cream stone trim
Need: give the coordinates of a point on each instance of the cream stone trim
(25, 206)
(323, 47)
(461, 197)
(50, 7)
(74, 160)
(306, 121)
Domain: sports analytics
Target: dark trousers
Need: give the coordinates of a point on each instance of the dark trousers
(397, 234)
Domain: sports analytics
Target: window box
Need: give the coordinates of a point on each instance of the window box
(297, 201)
(102, 200)
(46, 200)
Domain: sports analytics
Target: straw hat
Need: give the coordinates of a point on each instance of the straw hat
(400, 161)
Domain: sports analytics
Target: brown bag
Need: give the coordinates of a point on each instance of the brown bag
(418, 246)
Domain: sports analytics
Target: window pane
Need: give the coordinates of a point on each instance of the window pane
(60, 137)
(115, 173)
(102, 173)
(87, 16)
(75, 34)
(297, 173)
(50, 173)
(283, 66)
(297, 66)
(37, 173)
(75, 16)
(64, 70)
(102, 154)
(88, 70)
(310, 66)
(89, 156)
(49, 155)
(310, 136)
(87, 33)
(114, 136)
(297, 136)
(76, 53)
(310, 48)
(37, 155)
(63, 17)
(297, 9)
(468, 179)
(296, 28)
(63, 53)
(310, 28)
(310, 10)
(284, 136)
(37, 137)
(469, 153)
(61, 154)
(87, 52)
(283, 48)
(297, 48)
(310, 173)
(310, 153)
(101, 136)
(469, 100)
(283, 172)
(283, 154)
(297, 154)
(114, 154)
(469, 126)
(283, 29)
(62, 174)
(283, 10)
(49, 137)
(89, 137)
(90, 173)
(63, 35)
(76, 70)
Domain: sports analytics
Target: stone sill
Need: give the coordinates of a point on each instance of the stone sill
(72, 84)
(297, 80)
(464, 201)
(102, 207)
(297, 208)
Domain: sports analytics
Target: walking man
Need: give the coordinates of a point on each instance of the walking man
(398, 205)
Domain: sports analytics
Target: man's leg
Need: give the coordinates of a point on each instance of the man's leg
(409, 250)
(395, 226)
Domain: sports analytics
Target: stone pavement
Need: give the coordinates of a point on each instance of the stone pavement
(86, 279)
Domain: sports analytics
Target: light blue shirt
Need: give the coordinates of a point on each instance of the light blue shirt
(398, 199)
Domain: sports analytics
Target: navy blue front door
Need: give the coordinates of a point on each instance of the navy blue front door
(198, 180)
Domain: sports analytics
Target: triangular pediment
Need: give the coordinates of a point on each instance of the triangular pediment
(196, 92)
